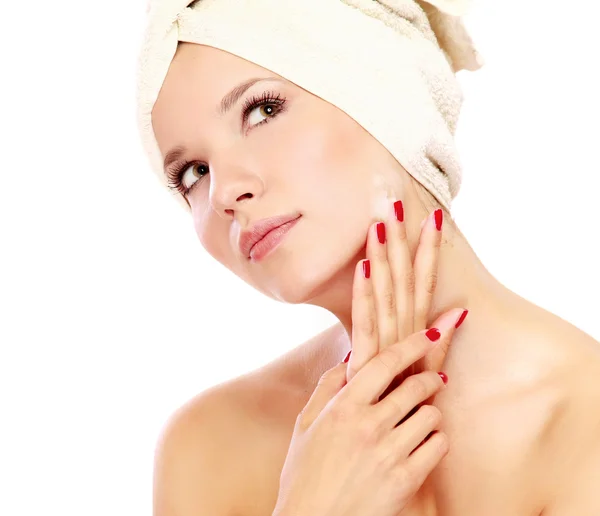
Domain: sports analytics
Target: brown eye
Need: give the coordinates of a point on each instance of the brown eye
(264, 111)
(268, 110)
(199, 170)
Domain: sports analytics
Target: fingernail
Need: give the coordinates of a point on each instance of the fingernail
(367, 269)
(381, 232)
(347, 357)
(433, 334)
(461, 318)
(439, 217)
(444, 377)
(399, 211)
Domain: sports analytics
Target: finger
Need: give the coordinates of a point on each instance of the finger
(434, 360)
(426, 267)
(421, 462)
(414, 390)
(330, 383)
(365, 340)
(376, 375)
(385, 305)
(401, 271)
(410, 434)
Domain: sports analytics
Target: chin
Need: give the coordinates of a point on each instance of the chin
(319, 281)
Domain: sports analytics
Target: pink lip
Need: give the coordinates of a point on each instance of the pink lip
(263, 236)
(270, 241)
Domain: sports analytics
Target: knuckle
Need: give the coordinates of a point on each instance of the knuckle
(441, 442)
(389, 302)
(385, 459)
(431, 280)
(326, 377)
(399, 404)
(368, 431)
(367, 325)
(416, 387)
(430, 414)
(390, 358)
(401, 234)
(302, 421)
(340, 413)
(409, 282)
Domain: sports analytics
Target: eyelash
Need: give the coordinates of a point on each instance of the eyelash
(175, 173)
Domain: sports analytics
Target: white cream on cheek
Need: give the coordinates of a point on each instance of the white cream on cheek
(383, 198)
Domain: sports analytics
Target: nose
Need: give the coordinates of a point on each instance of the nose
(232, 185)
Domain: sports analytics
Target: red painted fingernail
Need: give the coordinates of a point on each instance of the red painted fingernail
(433, 334)
(347, 357)
(367, 269)
(439, 217)
(461, 318)
(399, 211)
(381, 232)
(444, 377)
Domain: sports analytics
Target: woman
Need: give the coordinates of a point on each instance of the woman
(520, 411)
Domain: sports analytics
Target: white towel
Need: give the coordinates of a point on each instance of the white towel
(388, 64)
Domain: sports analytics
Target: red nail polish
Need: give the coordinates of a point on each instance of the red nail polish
(399, 211)
(381, 232)
(347, 357)
(461, 319)
(433, 334)
(367, 269)
(444, 377)
(439, 217)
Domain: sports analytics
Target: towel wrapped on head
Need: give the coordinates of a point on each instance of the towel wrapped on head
(388, 64)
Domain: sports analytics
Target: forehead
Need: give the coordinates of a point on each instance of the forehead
(209, 67)
(197, 79)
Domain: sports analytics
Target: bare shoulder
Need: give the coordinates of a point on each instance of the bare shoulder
(513, 423)
(193, 471)
(222, 452)
(570, 465)
(554, 417)
(566, 390)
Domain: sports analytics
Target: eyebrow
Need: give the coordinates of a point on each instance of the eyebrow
(226, 104)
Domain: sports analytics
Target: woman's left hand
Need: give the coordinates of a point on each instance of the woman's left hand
(403, 292)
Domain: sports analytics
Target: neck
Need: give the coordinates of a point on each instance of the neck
(463, 282)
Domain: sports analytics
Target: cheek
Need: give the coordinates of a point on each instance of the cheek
(326, 142)
(334, 163)
(318, 156)
(212, 234)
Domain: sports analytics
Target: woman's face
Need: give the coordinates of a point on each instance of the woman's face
(296, 155)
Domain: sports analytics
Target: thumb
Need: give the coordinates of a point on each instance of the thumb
(330, 383)
(435, 359)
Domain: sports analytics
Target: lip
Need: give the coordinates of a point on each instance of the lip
(252, 236)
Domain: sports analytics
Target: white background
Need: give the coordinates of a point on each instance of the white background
(109, 307)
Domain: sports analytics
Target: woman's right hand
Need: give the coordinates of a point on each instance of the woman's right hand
(347, 455)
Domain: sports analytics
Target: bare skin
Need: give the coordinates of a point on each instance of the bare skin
(520, 406)
(501, 427)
